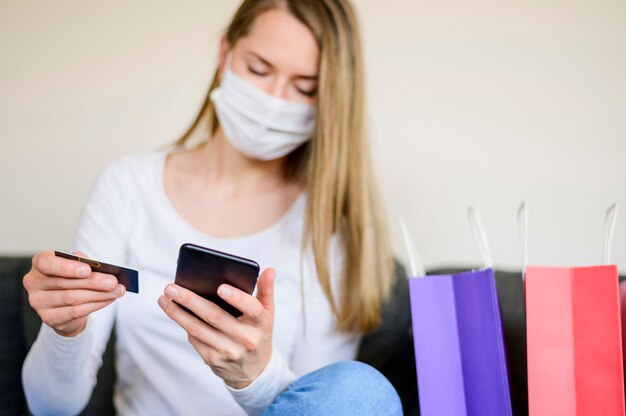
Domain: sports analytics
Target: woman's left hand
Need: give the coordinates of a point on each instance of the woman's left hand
(236, 349)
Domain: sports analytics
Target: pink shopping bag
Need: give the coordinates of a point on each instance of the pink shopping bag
(574, 338)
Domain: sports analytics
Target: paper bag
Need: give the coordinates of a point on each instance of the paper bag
(574, 340)
(459, 345)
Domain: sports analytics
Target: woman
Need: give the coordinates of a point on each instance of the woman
(284, 178)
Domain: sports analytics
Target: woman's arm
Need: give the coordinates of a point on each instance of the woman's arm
(60, 370)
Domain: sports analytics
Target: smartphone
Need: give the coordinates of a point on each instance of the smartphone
(202, 270)
(127, 277)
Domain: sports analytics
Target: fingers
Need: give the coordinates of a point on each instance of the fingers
(202, 332)
(253, 308)
(73, 297)
(238, 330)
(204, 309)
(51, 272)
(246, 303)
(59, 316)
(49, 264)
(95, 281)
(265, 286)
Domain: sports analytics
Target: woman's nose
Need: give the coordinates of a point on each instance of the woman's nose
(278, 89)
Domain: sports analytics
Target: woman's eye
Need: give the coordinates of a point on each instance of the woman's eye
(257, 71)
(307, 89)
(307, 93)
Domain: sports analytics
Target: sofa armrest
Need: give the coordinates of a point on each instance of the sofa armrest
(12, 343)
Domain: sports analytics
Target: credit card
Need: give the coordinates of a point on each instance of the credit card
(127, 277)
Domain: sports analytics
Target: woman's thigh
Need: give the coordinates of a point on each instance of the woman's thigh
(344, 388)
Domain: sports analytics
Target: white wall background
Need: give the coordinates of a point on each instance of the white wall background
(484, 102)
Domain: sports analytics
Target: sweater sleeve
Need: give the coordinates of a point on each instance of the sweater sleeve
(261, 392)
(59, 372)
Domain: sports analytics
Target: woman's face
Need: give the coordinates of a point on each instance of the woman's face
(279, 56)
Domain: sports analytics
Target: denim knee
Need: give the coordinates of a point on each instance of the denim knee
(348, 387)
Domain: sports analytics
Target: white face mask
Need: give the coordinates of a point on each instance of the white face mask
(257, 124)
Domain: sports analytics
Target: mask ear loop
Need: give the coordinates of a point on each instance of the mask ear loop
(610, 219)
(480, 236)
(416, 267)
(522, 228)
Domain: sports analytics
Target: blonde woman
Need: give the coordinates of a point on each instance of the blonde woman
(284, 178)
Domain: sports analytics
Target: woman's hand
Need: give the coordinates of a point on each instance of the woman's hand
(236, 349)
(64, 292)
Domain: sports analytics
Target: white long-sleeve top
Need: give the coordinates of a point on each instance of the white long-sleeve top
(129, 220)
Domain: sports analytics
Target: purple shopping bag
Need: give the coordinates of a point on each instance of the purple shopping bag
(459, 342)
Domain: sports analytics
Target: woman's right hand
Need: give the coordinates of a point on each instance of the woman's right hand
(64, 292)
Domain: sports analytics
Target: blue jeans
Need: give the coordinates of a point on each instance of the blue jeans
(344, 388)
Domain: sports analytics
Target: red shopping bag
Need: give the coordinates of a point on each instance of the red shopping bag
(574, 339)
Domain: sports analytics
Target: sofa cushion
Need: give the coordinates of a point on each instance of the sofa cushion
(12, 345)
(389, 348)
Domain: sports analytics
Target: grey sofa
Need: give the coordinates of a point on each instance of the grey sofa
(389, 348)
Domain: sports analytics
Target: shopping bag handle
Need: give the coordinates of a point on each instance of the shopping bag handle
(610, 219)
(416, 267)
(522, 227)
(480, 236)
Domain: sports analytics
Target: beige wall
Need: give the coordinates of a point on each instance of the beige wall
(482, 102)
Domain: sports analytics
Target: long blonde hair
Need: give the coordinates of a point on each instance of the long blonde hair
(334, 167)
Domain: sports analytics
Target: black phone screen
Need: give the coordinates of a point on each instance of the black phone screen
(202, 270)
